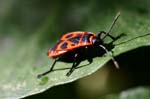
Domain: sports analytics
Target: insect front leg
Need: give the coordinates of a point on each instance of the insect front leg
(105, 34)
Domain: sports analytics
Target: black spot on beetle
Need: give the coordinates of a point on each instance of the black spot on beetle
(75, 39)
(69, 35)
(64, 45)
(72, 44)
(86, 38)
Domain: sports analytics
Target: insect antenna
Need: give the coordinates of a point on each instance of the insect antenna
(112, 25)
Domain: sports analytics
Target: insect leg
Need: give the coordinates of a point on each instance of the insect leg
(90, 60)
(50, 70)
(113, 59)
(102, 32)
(74, 65)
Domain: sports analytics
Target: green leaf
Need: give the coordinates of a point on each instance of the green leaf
(134, 93)
(23, 56)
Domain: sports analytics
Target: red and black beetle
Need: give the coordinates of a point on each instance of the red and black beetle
(74, 47)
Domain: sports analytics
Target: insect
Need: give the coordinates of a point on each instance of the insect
(76, 46)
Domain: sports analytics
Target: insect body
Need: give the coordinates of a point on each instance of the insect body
(71, 41)
(77, 46)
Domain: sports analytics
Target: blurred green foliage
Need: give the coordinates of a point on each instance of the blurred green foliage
(134, 93)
